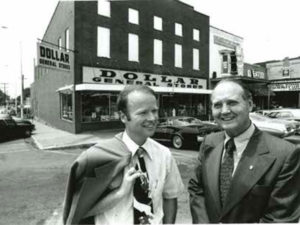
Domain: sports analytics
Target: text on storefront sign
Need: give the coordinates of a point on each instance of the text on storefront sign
(108, 76)
(53, 58)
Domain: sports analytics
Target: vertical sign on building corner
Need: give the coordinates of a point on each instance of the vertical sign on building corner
(52, 57)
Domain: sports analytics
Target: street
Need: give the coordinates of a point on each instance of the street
(33, 182)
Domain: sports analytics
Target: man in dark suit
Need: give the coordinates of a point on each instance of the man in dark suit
(243, 175)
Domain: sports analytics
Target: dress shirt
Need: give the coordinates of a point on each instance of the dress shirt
(241, 143)
(164, 182)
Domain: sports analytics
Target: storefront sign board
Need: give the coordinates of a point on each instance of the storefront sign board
(117, 77)
(293, 86)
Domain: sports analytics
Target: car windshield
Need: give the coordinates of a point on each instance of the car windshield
(259, 117)
(181, 121)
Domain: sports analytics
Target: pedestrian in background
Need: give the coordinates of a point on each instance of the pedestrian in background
(129, 179)
(243, 175)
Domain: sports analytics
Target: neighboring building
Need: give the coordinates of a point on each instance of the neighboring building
(92, 49)
(226, 54)
(284, 76)
(227, 60)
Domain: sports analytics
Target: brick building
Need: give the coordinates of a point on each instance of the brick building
(92, 49)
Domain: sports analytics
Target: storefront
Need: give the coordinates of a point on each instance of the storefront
(97, 53)
(287, 93)
(97, 103)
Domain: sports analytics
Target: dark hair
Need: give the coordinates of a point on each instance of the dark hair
(247, 92)
(122, 101)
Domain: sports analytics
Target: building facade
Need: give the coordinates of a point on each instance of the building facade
(92, 49)
(227, 61)
(284, 76)
(226, 54)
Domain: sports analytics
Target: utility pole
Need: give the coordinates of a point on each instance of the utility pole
(22, 84)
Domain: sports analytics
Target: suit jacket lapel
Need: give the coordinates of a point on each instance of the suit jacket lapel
(212, 162)
(253, 164)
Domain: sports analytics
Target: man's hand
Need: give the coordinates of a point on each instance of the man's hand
(110, 200)
(130, 174)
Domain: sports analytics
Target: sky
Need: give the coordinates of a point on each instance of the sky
(270, 29)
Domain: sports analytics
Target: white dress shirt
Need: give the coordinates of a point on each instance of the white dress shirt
(164, 182)
(241, 143)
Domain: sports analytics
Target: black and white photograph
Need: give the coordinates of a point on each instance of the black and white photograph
(149, 112)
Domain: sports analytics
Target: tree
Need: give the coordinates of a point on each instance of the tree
(3, 98)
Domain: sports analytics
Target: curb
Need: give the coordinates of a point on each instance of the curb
(61, 147)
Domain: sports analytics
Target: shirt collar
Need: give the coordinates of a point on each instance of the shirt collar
(245, 136)
(133, 147)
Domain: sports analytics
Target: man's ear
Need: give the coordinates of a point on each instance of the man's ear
(123, 117)
(250, 101)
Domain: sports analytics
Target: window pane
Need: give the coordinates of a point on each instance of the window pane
(59, 43)
(157, 23)
(133, 16)
(133, 47)
(66, 106)
(178, 55)
(104, 8)
(196, 59)
(67, 41)
(196, 34)
(157, 56)
(99, 107)
(103, 42)
(178, 29)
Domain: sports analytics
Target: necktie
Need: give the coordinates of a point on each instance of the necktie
(226, 170)
(141, 190)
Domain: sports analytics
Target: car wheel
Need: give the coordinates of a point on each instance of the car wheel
(27, 133)
(177, 142)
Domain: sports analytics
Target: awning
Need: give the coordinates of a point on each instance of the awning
(66, 89)
(107, 87)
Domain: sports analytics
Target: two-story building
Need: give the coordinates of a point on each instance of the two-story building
(92, 49)
(227, 60)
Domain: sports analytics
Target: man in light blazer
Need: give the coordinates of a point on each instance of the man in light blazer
(243, 175)
(103, 181)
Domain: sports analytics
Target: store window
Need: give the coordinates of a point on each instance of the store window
(103, 49)
(157, 56)
(183, 105)
(157, 21)
(133, 47)
(178, 55)
(178, 29)
(66, 106)
(133, 16)
(99, 107)
(104, 8)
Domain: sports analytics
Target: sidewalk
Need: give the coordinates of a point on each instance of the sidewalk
(50, 138)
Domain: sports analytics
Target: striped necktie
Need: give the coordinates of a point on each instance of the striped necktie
(226, 170)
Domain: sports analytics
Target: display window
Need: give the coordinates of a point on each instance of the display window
(99, 106)
(182, 105)
(66, 107)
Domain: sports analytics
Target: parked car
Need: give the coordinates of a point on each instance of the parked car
(13, 128)
(292, 115)
(183, 131)
(276, 127)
